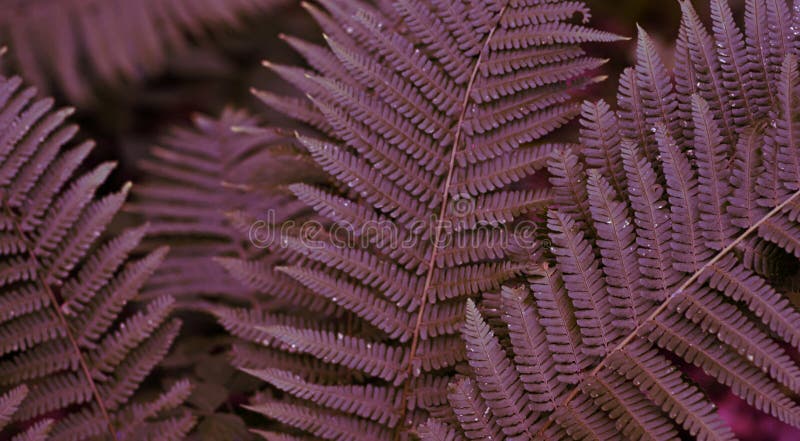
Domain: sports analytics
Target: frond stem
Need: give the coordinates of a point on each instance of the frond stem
(63, 320)
(440, 222)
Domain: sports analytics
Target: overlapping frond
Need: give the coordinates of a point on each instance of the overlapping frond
(73, 352)
(212, 191)
(668, 265)
(429, 116)
(68, 44)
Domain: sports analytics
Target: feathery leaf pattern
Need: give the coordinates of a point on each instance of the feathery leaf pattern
(706, 184)
(425, 114)
(71, 352)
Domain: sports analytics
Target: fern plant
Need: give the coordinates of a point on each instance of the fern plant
(425, 114)
(670, 240)
(71, 352)
(70, 44)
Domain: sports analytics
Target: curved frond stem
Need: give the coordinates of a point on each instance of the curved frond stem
(665, 304)
(83, 363)
(440, 222)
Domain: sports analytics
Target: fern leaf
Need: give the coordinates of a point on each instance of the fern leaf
(371, 402)
(653, 224)
(757, 32)
(561, 328)
(537, 371)
(787, 131)
(374, 358)
(609, 390)
(658, 99)
(677, 335)
(644, 367)
(705, 65)
(192, 185)
(632, 121)
(568, 179)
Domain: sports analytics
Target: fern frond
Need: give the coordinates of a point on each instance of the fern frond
(66, 331)
(676, 266)
(428, 116)
(195, 184)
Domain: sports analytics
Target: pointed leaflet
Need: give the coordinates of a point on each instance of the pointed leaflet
(758, 38)
(372, 402)
(736, 66)
(705, 65)
(680, 336)
(634, 415)
(632, 121)
(686, 83)
(600, 137)
(643, 366)
(658, 99)
(532, 359)
(568, 178)
(498, 381)
(787, 134)
(476, 419)
(653, 225)
(584, 282)
(561, 329)
(9, 403)
(689, 250)
(713, 175)
(615, 239)
(747, 167)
